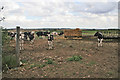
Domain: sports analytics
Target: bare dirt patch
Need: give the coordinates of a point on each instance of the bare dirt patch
(97, 62)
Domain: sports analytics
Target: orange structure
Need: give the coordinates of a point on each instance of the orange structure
(73, 33)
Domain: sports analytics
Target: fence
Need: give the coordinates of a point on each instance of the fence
(10, 49)
(110, 34)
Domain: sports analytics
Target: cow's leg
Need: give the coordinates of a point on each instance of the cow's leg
(32, 41)
(27, 38)
(22, 44)
(50, 47)
(49, 44)
(101, 42)
(52, 44)
(98, 42)
(15, 37)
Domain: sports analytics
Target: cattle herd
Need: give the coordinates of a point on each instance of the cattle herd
(30, 36)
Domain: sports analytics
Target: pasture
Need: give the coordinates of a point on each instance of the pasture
(69, 59)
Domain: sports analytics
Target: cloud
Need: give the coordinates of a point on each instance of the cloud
(54, 13)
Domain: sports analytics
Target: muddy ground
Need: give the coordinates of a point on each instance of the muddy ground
(96, 62)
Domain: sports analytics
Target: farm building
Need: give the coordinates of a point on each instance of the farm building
(73, 33)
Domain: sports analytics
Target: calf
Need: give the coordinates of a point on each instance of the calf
(100, 38)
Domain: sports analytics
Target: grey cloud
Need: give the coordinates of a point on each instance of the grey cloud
(95, 7)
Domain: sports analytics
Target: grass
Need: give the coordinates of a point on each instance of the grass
(87, 33)
(40, 37)
(91, 63)
(74, 73)
(24, 61)
(9, 61)
(105, 32)
(75, 58)
(37, 65)
(81, 61)
(49, 61)
(32, 65)
(110, 72)
(41, 66)
(65, 74)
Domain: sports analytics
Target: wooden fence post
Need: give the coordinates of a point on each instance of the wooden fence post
(17, 45)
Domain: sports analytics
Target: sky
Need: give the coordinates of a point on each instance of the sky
(88, 14)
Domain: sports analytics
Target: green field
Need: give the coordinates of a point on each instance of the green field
(104, 32)
(88, 32)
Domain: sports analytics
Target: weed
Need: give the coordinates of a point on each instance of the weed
(9, 60)
(49, 61)
(54, 64)
(32, 65)
(75, 58)
(71, 59)
(83, 49)
(110, 73)
(74, 73)
(45, 76)
(81, 61)
(65, 74)
(91, 63)
(41, 66)
(24, 61)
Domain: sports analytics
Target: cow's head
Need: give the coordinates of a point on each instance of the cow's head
(96, 34)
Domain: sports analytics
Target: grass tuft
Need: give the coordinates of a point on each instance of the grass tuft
(75, 58)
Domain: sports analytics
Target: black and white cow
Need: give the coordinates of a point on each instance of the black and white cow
(61, 33)
(46, 33)
(11, 34)
(24, 36)
(31, 36)
(42, 33)
(39, 34)
(100, 38)
(21, 40)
